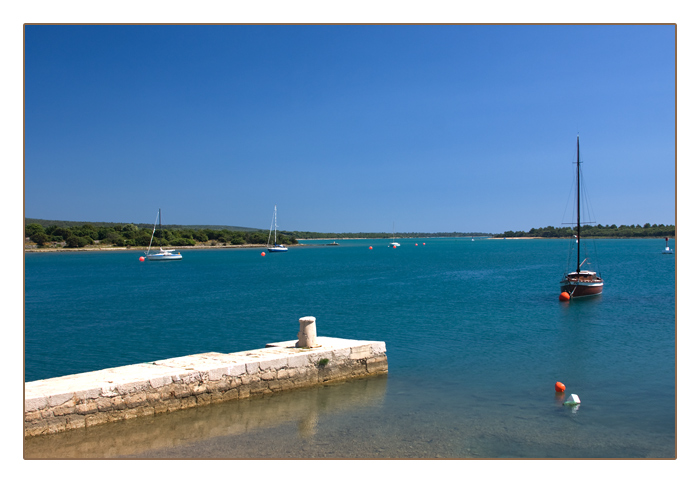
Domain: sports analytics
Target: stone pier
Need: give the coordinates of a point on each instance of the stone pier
(146, 389)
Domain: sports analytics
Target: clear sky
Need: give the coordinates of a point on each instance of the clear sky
(349, 128)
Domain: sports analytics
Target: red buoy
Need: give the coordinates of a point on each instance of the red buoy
(423, 243)
(564, 297)
(559, 387)
(262, 254)
(416, 244)
(141, 259)
(370, 248)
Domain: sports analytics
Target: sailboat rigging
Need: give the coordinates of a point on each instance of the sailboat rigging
(275, 247)
(393, 243)
(161, 254)
(580, 283)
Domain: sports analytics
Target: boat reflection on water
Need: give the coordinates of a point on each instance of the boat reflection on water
(153, 437)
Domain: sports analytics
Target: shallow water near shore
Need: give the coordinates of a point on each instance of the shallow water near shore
(475, 335)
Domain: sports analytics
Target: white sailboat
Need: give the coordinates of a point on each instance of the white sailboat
(393, 243)
(161, 254)
(275, 247)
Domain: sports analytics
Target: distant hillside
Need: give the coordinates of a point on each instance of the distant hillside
(106, 224)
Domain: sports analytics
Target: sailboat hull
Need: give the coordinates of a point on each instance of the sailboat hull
(276, 249)
(582, 289)
(164, 256)
(582, 284)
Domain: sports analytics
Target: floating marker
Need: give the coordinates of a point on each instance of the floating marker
(141, 259)
(370, 248)
(564, 297)
(262, 254)
(423, 243)
(416, 244)
(559, 387)
(572, 400)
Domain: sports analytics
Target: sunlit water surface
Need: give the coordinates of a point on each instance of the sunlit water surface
(476, 339)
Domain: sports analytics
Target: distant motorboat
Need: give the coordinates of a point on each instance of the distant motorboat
(160, 254)
(275, 247)
(667, 251)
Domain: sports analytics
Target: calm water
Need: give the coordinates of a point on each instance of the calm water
(475, 335)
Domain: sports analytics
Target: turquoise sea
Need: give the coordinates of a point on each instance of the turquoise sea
(476, 339)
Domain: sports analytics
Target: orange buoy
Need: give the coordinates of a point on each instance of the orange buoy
(564, 297)
(559, 387)
(393, 246)
(370, 248)
(141, 259)
(262, 254)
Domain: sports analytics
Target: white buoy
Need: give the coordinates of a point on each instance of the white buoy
(572, 400)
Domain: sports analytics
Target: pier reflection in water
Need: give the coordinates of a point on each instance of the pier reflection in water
(170, 435)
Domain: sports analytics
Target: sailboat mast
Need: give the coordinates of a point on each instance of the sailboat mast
(578, 208)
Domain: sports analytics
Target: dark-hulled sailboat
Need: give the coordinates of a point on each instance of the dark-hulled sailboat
(580, 283)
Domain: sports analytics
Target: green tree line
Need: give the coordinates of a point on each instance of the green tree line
(312, 235)
(597, 231)
(130, 235)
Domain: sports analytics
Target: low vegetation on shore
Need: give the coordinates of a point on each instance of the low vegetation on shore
(598, 231)
(63, 234)
(130, 235)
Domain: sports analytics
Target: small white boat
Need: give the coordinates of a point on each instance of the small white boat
(275, 247)
(161, 254)
(393, 243)
(668, 250)
(164, 255)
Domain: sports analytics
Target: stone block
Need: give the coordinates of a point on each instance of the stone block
(273, 364)
(131, 387)
(268, 376)
(104, 404)
(86, 408)
(236, 370)
(158, 382)
(58, 399)
(362, 352)
(218, 373)
(75, 421)
(36, 403)
(118, 403)
(135, 400)
(180, 390)
(297, 360)
(35, 428)
(109, 391)
(248, 380)
(252, 367)
(32, 416)
(69, 407)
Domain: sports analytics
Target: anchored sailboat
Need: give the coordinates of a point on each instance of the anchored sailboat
(580, 283)
(275, 247)
(161, 254)
(393, 243)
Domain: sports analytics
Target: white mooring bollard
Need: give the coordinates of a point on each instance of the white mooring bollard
(307, 333)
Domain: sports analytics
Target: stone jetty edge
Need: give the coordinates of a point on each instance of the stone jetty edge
(147, 389)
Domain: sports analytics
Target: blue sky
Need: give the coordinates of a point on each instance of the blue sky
(349, 128)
